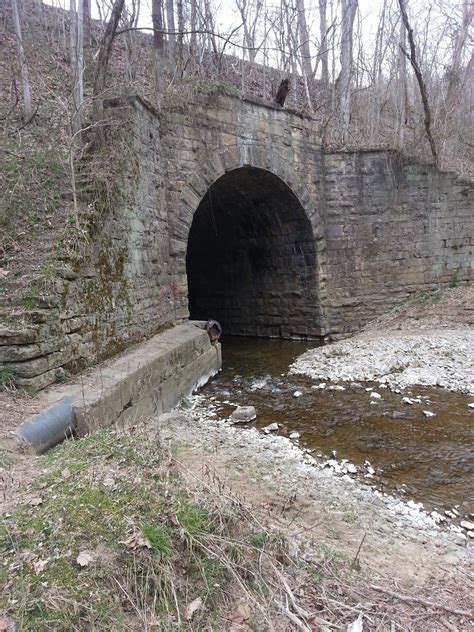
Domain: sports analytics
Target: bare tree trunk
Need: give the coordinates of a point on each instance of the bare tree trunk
(348, 9)
(106, 48)
(402, 86)
(77, 62)
(419, 77)
(87, 22)
(157, 18)
(171, 29)
(23, 67)
(459, 44)
(324, 52)
(374, 115)
(179, 4)
(292, 46)
(193, 42)
(303, 33)
(73, 34)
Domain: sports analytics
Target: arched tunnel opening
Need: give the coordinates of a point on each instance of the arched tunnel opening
(251, 258)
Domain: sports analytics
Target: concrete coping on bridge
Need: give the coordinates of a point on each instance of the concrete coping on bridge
(151, 378)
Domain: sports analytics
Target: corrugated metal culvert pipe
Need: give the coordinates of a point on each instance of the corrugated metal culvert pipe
(49, 428)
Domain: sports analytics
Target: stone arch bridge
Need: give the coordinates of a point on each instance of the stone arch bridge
(231, 209)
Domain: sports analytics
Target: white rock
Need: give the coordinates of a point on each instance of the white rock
(243, 414)
(437, 516)
(429, 414)
(297, 394)
(294, 435)
(466, 524)
(270, 428)
(470, 534)
(375, 395)
(470, 405)
(407, 400)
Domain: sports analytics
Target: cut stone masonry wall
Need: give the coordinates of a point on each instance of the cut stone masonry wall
(371, 230)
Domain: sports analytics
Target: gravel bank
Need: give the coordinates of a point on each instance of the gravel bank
(398, 359)
(330, 508)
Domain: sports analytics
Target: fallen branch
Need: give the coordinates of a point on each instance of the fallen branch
(292, 617)
(423, 602)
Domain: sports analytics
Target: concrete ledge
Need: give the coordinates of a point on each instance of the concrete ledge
(151, 378)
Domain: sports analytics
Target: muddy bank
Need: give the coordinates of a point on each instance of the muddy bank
(399, 359)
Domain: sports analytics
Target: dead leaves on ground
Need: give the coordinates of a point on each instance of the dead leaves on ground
(192, 608)
(136, 541)
(40, 565)
(85, 558)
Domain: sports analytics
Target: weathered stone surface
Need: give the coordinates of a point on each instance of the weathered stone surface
(152, 378)
(313, 243)
(243, 414)
(17, 336)
(18, 353)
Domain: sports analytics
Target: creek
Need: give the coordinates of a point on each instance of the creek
(428, 460)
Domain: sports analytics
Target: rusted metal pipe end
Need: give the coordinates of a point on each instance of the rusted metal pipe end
(214, 330)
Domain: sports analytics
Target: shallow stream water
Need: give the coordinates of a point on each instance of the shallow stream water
(429, 460)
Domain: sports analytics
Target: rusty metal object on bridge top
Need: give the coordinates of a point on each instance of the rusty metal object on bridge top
(214, 330)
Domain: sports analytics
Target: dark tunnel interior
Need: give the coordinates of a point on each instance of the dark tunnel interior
(251, 258)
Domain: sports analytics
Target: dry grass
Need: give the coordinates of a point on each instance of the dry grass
(164, 553)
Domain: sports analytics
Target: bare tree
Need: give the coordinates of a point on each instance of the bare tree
(87, 22)
(157, 18)
(250, 12)
(106, 48)
(23, 67)
(412, 58)
(323, 51)
(402, 86)
(171, 30)
(179, 39)
(193, 28)
(77, 62)
(306, 65)
(348, 12)
(459, 44)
